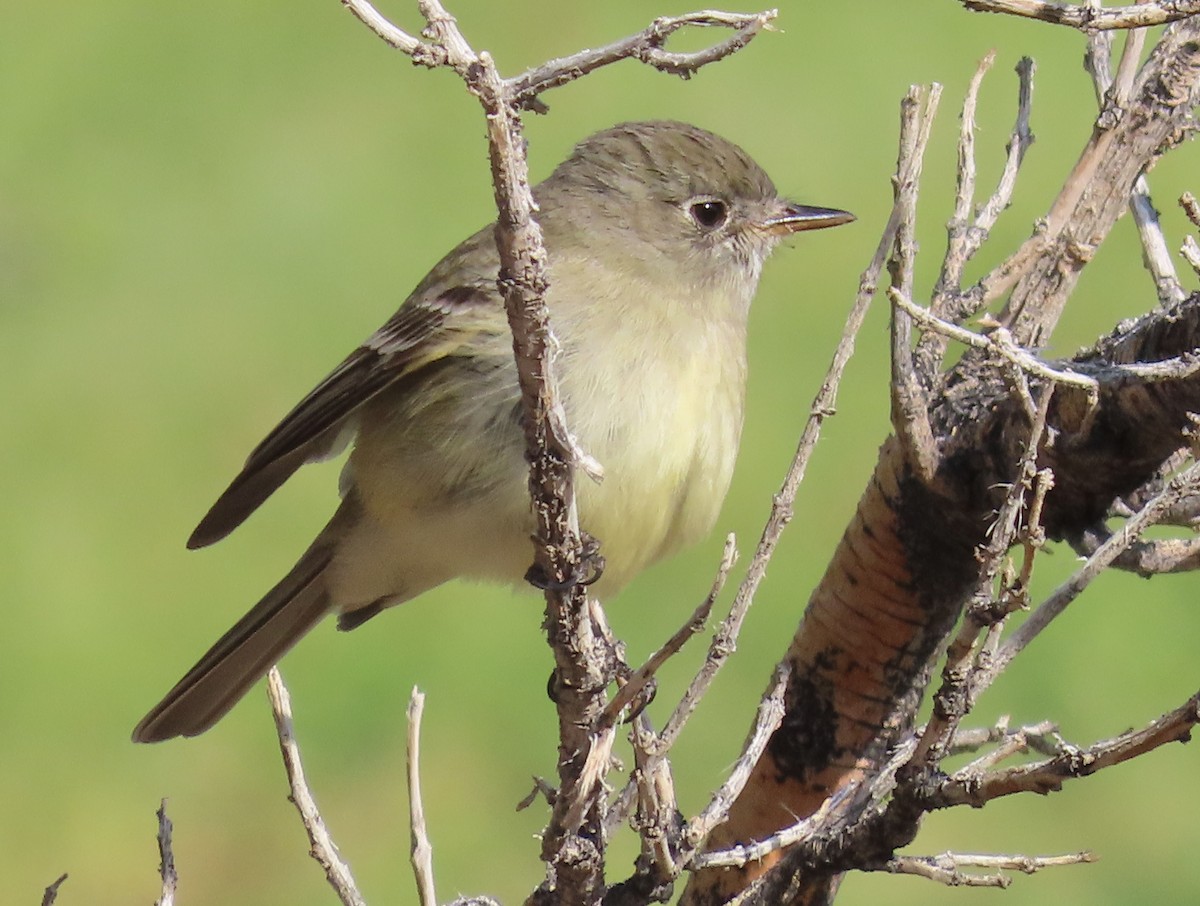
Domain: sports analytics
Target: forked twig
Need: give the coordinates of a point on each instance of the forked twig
(947, 868)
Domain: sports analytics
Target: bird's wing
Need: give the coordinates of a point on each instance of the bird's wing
(422, 332)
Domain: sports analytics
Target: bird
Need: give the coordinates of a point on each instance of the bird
(656, 234)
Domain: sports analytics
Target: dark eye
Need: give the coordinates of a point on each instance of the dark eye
(709, 213)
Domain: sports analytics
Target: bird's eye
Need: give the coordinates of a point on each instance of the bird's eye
(709, 213)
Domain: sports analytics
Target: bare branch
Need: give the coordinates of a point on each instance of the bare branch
(322, 847)
(166, 859)
(1113, 94)
(637, 680)
(999, 341)
(420, 850)
(753, 852)
(910, 405)
(1182, 485)
(947, 868)
(766, 721)
(967, 787)
(51, 892)
(1089, 18)
(421, 52)
(646, 46)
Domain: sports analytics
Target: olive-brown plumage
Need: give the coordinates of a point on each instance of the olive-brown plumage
(656, 234)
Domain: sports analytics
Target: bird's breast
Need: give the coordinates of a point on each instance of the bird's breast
(662, 412)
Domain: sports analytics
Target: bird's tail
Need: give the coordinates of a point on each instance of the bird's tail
(244, 654)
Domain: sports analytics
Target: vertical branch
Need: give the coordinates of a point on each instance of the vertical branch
(166, 864)
(420, 850)
(322, 847)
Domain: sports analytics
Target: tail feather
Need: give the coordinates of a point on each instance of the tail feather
(244, 654)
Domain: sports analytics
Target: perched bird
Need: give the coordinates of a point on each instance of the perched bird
(656, 234)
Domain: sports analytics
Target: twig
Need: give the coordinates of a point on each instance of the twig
(646, 47)
(637, 680)
(910, 404)
(1112, 94)
(1089, 18)
(966, 235)
(322, 847)
(166, 863)
(947, 868)
(51, 892)
(420, 850)
(967, 787)
(1041, 737)
(1181, 485)
(737, 856)
(766, 721)
(523, 92)
(999, 341)
(723, 644)
(1190, 250)
(1156, 118)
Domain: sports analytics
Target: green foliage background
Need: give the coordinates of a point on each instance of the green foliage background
(204, 207)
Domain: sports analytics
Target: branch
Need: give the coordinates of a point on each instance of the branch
(641, 678)
(1090, 18)
(166, 864)
(420, 850)
(646, 47)
(1156, 118)
(1182, 486)
(322, 847)
(947, 868)
(51, 892)
(967, 787)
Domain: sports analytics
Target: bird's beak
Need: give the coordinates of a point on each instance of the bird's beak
(796, 217)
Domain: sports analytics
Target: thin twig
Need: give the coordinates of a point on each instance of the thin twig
(322, 847)
(1041, 737)
(166, 859)
(967, 787)
(51, 892)
(1000, 342)
(947, 868)
(950, 302)
(910, 404)
(647, 47)
(766, 721)
(420, 850)
(1088, 18)
(1182, 485)
(744, 854)
(1112, 94)
(637, 680)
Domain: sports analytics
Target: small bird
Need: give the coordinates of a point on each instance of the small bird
(656, 234)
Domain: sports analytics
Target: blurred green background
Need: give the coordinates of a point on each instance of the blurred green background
(203, 208)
